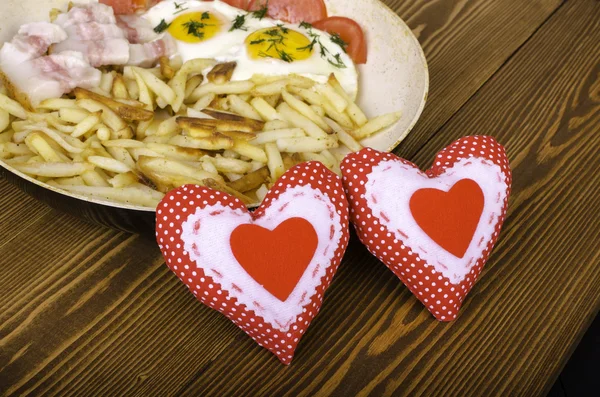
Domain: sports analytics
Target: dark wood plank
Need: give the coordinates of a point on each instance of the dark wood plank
(537, 294)
(465, 43)
(106, 315)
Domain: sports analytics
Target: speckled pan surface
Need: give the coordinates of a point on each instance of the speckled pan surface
(395, 77)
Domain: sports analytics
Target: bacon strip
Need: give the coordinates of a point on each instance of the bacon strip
(98, 53)
(136, 29)
(147, 54)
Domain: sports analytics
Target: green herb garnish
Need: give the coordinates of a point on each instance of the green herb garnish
(162, 26)
(178, 7)
(238, 23)
(260, 14)
(257, 41)
(205, 15)
(338, 40)
(193, 28)
(335, 60)
(283, 28)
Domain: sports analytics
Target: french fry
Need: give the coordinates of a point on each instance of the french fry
(223, 164)
(272, 100)
(125, 133)
(109, 117)
(109, 164)
(57, 104)
(159, 87)
(126, 111)
(290, 160)
(67, 142)
(216, 142)
(269, 88)
(204, 101)
(176, 152)
(276, 125)
(53, 170)
(208, 166)
(345, 138)
(124, 143)
(231, 87)
(274, 161)
(18, 149)
(221, 73)
(144, 94)
(239, 123)
(264, 109)
(376, 124)
(335, 99)
(165, 67)
(250, 151)
(106, 82)
(133, 90)
(317, 157)
(73, 181)
(240, 135)
(72, 115)
(119, 88)
(86, 124)
(36, 143)
(168, 127)
(305, 144)
(152, 165)
(213, 184)
(94, 177)
(142, 151)
(122, 180)
(122, 155)
(355, 113)
(13, 107)
(261, 192)
(300, 121)
(192, 83)
(179, 81)
(251, 180)
(304, 110)
(242, 108)
(318, 110)
(103, 133)
(6, 136)
(4, 120)
(272, 135)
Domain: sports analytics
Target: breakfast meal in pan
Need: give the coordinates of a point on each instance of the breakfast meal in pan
(126, 100)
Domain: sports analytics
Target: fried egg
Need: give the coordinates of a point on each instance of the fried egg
(258, 44)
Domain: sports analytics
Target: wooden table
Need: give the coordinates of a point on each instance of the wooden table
(91, 311)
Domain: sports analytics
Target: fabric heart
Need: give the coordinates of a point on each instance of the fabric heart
(267, 270)
(435, 229)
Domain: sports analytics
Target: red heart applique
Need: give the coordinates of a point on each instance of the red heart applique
(449, 218)
(434, 229)
(291, 244)
(267, 270)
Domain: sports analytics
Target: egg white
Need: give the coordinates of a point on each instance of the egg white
(228, 46)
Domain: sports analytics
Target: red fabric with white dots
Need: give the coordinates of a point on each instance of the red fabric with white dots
(180, 203)
(441, 297)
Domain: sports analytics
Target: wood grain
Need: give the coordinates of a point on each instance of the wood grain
(87, 311)
(542, 284)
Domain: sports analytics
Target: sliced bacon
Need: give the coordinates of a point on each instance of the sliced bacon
(51, 76)
(147, 54)
(98, 53)
(95, 31)
(136, 29)
(86, 13)
(32, 40)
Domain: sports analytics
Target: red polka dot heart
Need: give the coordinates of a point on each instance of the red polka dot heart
(433, 229)
(266, 271)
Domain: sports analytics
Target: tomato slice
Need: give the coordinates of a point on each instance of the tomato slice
(294, 11)
(350, 32)
(128, 6)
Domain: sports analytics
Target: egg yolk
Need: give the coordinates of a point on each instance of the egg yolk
(195, 27)
(280, 43)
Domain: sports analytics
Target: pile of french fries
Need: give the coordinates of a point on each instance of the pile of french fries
(146, 131)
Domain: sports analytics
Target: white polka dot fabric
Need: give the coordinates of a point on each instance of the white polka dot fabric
(379, 187)
(193, 229)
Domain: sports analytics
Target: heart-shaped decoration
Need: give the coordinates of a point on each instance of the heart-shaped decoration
(265, 270)
(435, 229)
